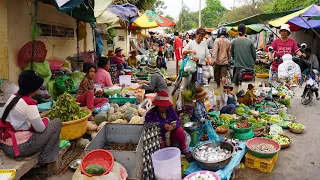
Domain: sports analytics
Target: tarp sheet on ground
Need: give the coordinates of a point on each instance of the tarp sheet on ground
(297, 22)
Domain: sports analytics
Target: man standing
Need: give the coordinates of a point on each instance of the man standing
(221, 56)
(178, 45)
(243, 53)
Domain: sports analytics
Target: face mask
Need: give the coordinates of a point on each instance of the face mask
(215, 36)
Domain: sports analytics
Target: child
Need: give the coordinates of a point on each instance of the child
(161, 61)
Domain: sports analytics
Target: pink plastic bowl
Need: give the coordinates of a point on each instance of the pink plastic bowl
(202, 172)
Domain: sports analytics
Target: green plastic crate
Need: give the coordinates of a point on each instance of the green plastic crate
(122, 100)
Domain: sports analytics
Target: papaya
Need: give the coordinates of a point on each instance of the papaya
(95, 169)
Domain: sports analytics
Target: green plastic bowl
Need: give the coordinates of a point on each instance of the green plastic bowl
(258, 140)
(240, 130)
(243, 136)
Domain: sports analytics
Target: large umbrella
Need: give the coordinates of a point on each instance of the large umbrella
(298, 19)
(150, 20)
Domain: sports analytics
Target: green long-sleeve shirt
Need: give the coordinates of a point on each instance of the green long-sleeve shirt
(243, 53)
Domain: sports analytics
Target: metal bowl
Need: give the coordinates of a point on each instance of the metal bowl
(191, 126)
(207, 165)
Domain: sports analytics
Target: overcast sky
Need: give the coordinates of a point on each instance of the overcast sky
(174, 6)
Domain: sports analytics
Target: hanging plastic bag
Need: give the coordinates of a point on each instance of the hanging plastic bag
(191, 67)
(66, 84)
(35, 29)
(181, 70)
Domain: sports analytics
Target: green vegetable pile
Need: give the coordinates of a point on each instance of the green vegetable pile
(296, 126)
(188, 95)
(265, 116)
(282, 140)
(226, 119)
(260, 69)
(285, 102)
(67, 109)
(242, 110)
(255, 124)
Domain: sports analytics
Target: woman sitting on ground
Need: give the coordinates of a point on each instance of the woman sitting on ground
(249, 98)
(103, 76)
(163, 113)
(199, 111)
(132, 60)
(86, 92)
(161, 61)
(23, 131)
(228, 101)
(157, 81)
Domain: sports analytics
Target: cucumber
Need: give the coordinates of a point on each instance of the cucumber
(95, 169)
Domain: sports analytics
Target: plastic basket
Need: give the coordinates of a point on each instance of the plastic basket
(259, 140)
(101, 157)
(262, 75)
(240, 130)
(262, 164)
(25, 53)
(112, 90)
(122, 100)
(55, 65)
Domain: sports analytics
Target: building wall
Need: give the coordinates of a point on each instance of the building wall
(4, 67)
(19, 21)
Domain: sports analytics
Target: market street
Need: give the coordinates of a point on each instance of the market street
(300, 161)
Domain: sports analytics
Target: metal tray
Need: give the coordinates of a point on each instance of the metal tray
(122, 133)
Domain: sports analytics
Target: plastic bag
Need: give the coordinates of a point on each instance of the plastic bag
(66, 84)
(35, 29)
(275, 130)
(53, 89)
(190, 67)
(105, 108)
(118, 172)
(43, 69)
(181, 70)
(78, 77)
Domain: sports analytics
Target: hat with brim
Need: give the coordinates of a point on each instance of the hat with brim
(250, 86)
(200, 94)
(228, 86)
(151, 67)
(285, 27)
(162, 99)
(118, 50)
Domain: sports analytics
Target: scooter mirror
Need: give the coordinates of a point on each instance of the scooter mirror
(303, 46)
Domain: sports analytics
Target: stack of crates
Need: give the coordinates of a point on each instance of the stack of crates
(262, 164)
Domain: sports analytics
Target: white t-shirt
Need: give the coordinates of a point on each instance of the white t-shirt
(201, 49)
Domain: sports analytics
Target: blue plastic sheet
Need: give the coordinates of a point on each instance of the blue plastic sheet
(45, 106)
(226, 172)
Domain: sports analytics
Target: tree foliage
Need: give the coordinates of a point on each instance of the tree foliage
(285, 5)
(158, 7)
(239, 13)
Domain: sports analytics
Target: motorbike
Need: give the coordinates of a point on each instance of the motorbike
(194, 76)
(310, 88)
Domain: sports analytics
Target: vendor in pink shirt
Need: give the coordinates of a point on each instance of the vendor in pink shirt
(102, 75)
(283, 45)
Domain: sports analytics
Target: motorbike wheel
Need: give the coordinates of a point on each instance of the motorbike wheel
(307, 98)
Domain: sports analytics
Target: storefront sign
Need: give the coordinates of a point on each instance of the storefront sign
(49, 30)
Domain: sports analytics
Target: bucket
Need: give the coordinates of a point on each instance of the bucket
(167, 164)
(125, 80)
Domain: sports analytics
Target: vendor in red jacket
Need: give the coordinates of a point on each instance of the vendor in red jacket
(23, 131)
